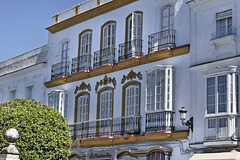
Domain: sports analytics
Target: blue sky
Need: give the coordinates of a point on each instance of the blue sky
(23, 23)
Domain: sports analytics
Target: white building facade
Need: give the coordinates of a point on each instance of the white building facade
(24, 76)
(118, 71)
(214, 67)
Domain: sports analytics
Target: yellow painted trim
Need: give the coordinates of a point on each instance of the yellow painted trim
(129, 63)
(110, 141)
(81, 155)
(99, 2)
(77, 10)
(121, 151)
(92, 13)
(144, 151)
(56, 18)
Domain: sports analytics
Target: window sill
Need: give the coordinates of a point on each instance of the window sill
(223, 40)
(159, 111)
(221, 143)
(219, 115)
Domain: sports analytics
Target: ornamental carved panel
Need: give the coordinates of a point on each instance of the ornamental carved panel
(83, 86)
(131, 75)
(105, 81)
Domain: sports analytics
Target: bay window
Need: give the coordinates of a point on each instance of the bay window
(222, 100)
(58, 99)
(159, 98)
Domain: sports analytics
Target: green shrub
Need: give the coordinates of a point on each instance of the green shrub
(43, 132)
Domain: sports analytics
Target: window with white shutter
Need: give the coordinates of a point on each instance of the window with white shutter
(167, 20)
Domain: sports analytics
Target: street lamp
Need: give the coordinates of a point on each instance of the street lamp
(188, 123)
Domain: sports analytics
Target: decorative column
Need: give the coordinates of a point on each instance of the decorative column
(10, 152)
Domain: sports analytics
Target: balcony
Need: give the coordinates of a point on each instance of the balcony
(60, 69)
(106, 127)
(104, 57)
(81, 63)
(159, 121)
(161, 40)
(130, 49)
(222, 130)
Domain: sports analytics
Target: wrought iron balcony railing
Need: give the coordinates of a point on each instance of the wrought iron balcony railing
(159, 121)
(106, 127)
(130, 49)
(224, 32)
(222, 128)
(104, 56)
(60, 69)
(81, 63)
(161, 40)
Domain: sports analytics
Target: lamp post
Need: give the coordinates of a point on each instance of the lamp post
(189, 122)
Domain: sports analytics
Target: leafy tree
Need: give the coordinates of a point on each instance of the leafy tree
(43, 132)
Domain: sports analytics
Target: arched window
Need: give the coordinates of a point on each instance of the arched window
(82, 114)
(158, 155)
(131, 107)
(85, 43)
(83, 61)
(105, 112)
(167, 17)
(133, 38)
(65, 48)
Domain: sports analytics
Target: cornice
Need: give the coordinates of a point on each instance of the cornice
(148, 137)
(102, 9)
(129, 63)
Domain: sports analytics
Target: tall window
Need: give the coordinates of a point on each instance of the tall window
(134, 34)
(106, 104)
(131, 107)
(105, 111)
(134, 26)
(29, 92)
(224, 23)
(167, 21)
(82, 115)
(132, 100)
(82, 109)
(108, 39)
(65, 48)
(108, 43)
(58, 100)
(85, 45)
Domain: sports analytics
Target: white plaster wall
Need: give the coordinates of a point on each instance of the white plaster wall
(203, 24)
(32, 76)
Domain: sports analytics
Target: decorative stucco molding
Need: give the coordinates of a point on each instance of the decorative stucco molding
(106, 80)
